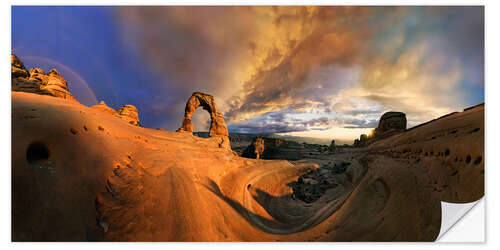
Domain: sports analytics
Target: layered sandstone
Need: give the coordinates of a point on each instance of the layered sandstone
(36, 81)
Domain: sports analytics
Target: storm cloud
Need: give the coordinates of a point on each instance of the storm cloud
(343, 64)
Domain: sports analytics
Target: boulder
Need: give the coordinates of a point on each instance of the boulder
(36, 81)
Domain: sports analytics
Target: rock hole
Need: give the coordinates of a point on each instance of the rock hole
(37, 152)
(475, 130)
(447, 152)
(85, 128)
(478, 160)
(468, 159)
(73, 131)
(100, 128)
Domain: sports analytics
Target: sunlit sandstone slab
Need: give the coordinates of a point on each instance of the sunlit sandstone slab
(81, 174)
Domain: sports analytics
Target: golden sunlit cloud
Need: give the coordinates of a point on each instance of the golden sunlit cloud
(344, 65)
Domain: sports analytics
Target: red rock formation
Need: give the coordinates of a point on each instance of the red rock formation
(36, 81)
(258, 147)
(102, 106)
(217, 124)
(129, 113)
(389, 123)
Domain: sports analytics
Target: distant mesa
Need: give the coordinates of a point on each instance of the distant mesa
(206, 101)
(36, 81)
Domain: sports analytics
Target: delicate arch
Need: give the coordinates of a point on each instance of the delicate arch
(217, 124)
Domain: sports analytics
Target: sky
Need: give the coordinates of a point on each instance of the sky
(326, 72)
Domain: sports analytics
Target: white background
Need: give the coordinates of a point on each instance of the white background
(466, 229)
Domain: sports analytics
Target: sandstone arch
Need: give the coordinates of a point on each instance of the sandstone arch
(206, 101)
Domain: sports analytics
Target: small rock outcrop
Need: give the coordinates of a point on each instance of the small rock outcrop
(36, 81)
(206, 101)
(362, 141)
(390, 122)
(105, 108)
(256, 149)
(129, 113)
(363, 138)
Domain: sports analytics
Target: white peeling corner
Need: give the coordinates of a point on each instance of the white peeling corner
(460, 225)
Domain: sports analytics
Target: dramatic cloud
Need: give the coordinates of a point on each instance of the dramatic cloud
(299, 69)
